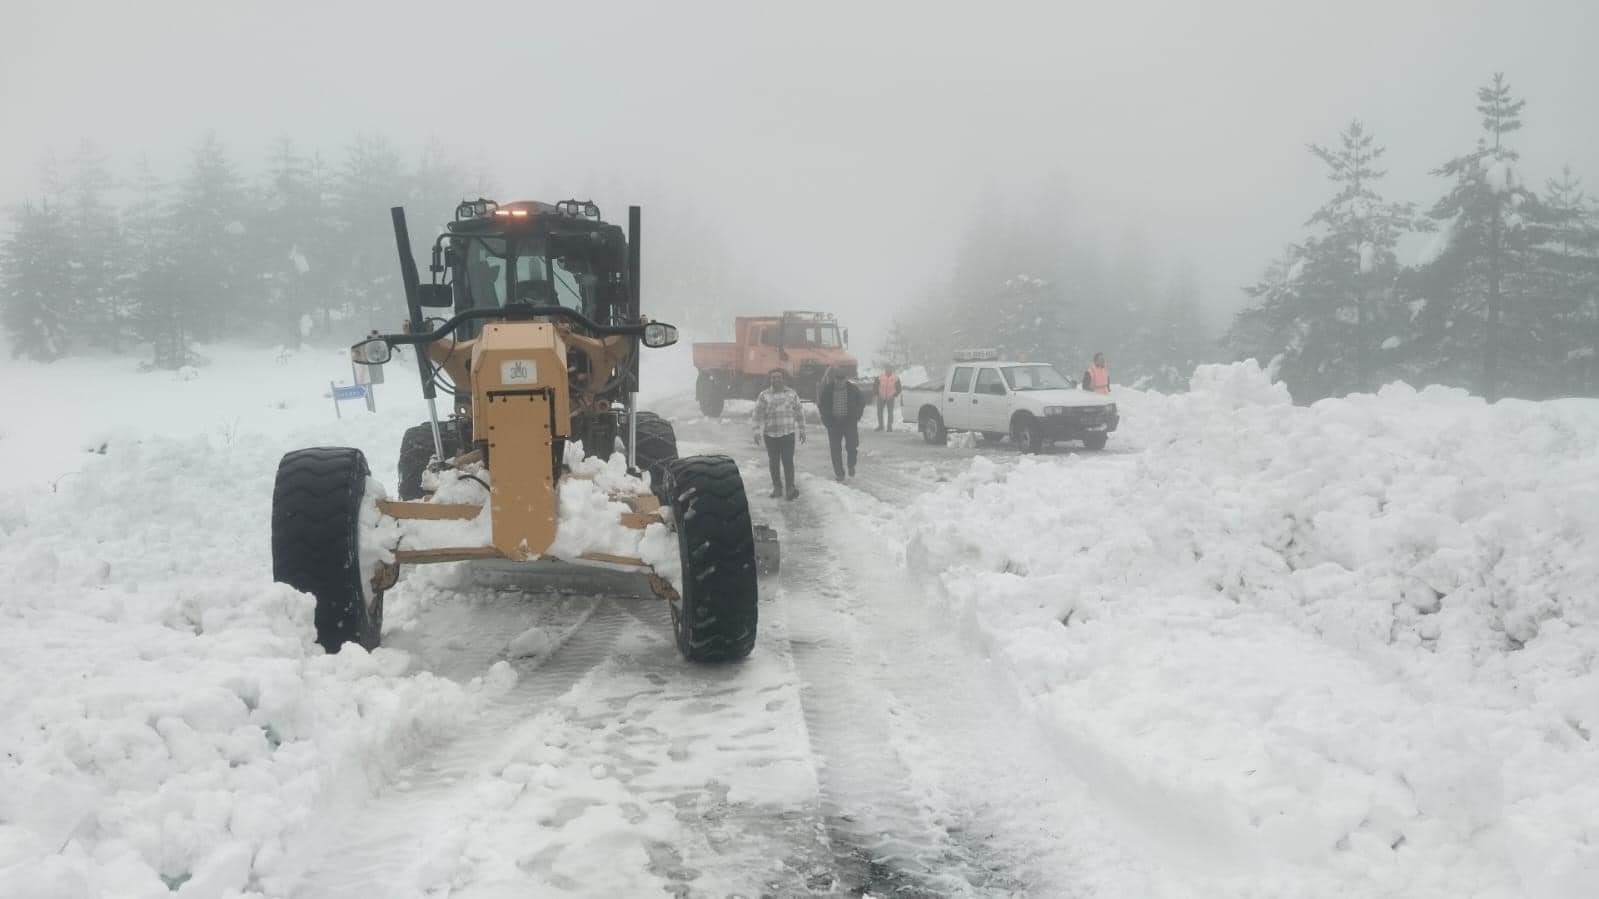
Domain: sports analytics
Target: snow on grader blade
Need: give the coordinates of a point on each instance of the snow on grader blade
(524, 480)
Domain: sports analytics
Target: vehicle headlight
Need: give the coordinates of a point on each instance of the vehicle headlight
(1054, 410)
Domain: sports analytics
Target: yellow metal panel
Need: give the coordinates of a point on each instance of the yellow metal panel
(521, 356)
(522, 471)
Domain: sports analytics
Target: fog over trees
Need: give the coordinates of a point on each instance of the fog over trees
(1047, 185)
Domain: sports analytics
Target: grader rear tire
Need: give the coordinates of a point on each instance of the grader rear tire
(316, 541)
(657, 445)
(714, 619)
(416, 451)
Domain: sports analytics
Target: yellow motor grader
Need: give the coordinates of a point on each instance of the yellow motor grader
(541, 354)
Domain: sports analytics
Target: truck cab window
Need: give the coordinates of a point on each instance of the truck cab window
(988, 381)
(962, 381)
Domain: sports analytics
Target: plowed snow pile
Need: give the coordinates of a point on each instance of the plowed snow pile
(1339, 650)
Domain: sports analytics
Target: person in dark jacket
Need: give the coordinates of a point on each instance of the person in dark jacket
(841, 404)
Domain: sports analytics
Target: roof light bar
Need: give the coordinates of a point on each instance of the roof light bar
(579, 209)
(476, 209)
(985, 354)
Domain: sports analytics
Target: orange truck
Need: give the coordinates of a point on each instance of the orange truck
(804, 344)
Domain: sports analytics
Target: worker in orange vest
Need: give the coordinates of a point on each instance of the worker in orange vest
(1097, 378)
(888, 389)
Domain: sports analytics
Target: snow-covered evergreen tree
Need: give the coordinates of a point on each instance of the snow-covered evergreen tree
(36, 283)
(212, 244)
(369, 184)
(99, 309)
(1332, 309)
(1483, 302)
(1567, 249)
(159, 295)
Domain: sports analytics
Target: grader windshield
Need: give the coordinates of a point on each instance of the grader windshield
(500, 270)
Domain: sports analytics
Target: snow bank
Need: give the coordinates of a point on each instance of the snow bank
(167, 723)
(1346, 649)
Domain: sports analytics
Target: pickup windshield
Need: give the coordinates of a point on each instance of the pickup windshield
(1034, 377)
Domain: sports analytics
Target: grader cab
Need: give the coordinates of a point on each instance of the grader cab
(543, 468)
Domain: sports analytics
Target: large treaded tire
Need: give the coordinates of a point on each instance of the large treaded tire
(710, 395)
(657, 445)
(931, 424)
(316, 542)
(714, 620)
(416, 451)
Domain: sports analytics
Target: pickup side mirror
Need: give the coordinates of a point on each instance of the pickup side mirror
(435, 296)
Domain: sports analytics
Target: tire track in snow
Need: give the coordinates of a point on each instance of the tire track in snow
(887, 831)
(384, 847)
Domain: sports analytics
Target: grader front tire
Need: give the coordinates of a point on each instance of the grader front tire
(316, 542)
(715, 616)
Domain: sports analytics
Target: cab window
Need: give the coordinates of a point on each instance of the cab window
(962, 381)
(988, 381)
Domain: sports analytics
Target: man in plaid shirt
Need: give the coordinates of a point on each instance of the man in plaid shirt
(779, 421)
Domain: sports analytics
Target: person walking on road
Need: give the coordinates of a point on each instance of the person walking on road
(841, 405)
(888, 390)
(1097, 378)
(779, 421)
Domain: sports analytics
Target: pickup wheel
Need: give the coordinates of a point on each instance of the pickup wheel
(1095, 441)
(931, 425)
(1026, 434)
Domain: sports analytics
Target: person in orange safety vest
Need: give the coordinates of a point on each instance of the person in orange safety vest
(888, 390)
(1097, 378)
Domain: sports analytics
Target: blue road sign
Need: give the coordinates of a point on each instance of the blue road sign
(353, 392)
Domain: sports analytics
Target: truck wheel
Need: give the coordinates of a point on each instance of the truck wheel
(316, 542)
(657, 445)
(1026, 434)
(416, 451)
(715, 615)
(1095, 441)
(932, 428)
(709, 393)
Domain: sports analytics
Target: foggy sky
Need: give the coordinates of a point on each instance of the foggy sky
(840, 147)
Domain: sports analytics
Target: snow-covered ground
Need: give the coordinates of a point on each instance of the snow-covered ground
(1344, 650)
(1339, 650)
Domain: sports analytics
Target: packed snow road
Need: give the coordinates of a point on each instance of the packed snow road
(861, 749)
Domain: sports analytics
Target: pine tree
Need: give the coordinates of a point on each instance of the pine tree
(1179, 341)
(292, 234)
(1567, 248)
(212, 243)
(1485, 301)
(370, 183)
(1330, 312)
(153, 281)
(1354, 257)
(99, 309)
(35, 283)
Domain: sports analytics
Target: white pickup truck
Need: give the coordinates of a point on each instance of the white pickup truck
(1031, 401)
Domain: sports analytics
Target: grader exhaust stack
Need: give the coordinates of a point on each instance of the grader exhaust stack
(541, 357)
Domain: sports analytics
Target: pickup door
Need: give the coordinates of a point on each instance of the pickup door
(990, 403)
(958, 398)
